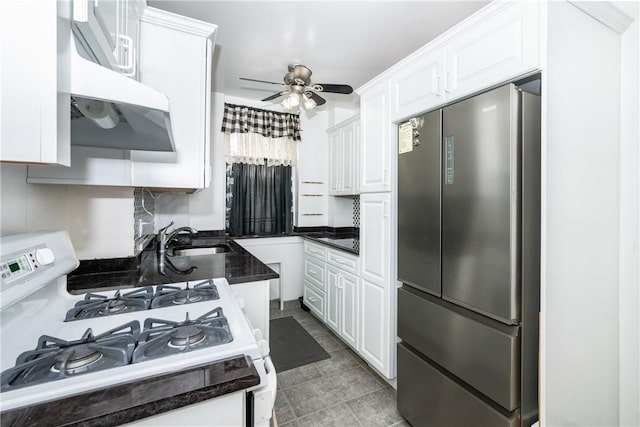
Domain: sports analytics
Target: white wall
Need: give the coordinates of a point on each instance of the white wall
(582, 218)
(99, 219)
(629, 223)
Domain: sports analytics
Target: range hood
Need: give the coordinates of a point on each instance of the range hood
(111, 110)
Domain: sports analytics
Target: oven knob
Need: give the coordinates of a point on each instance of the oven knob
(45, 256)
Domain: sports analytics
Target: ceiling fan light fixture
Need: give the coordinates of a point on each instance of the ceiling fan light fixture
(286, 104)
(294, 99)
(309, 104)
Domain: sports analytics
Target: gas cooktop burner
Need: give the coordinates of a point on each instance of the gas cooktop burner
(167, 296)
(55, 359)
(94, 305)
(163, 337)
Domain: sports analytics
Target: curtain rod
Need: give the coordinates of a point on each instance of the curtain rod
(260, 109)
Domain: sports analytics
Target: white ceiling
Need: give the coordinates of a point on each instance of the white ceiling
(344, 42)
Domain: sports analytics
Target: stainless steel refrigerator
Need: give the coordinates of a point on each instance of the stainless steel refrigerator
(469, 261)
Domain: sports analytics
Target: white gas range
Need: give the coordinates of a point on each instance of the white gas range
(56, 345)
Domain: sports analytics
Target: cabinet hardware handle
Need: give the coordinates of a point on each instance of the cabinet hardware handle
(446, 83)
(437, 86)
(385, 209)
(127, 46)
(312, 271)
(312, 299)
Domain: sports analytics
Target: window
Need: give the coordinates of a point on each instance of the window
(260, 150)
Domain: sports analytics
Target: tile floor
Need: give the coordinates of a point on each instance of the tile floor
(341, 391)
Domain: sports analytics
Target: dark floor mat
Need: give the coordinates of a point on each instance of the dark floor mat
(292, 346)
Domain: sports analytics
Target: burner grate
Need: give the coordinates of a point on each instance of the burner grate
(163, 337)
(94, 305)
(167, 295)
(55, 359)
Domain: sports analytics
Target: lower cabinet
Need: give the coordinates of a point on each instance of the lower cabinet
(332, 289)
(342, 304)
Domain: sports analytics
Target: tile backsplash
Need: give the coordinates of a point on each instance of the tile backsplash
(143, 215)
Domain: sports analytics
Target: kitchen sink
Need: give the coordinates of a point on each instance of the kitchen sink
(208, 250)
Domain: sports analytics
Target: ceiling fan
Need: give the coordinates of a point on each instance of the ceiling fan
(301, 90)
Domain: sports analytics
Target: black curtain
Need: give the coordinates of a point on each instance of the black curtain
(261, 200)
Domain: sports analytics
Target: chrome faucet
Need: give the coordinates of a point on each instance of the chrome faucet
(164, 239)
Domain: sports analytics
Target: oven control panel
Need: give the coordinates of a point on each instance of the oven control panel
(25, 264)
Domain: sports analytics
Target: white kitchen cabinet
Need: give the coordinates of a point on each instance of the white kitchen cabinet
(378, 294)
(499, 43)
(35, 78)
(170, 46)
(344, 162)
(375, 145)
(338, 295)
(315, 284)
(417, 85)
(333, 299)
(342, 295)
(348, 306)
(176, 60)
(493, 48)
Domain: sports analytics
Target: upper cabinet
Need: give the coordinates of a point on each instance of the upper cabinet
(35, 81)
(175, 59)
(344, 161)
(495, 45)
(418, 85)
(375, 146)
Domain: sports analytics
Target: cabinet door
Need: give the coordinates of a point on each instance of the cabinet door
(164, 42)
(374, 325)
(333, 298)
(347, 138)
(335, 162)
(349, 308)
(375, 150)
(35, 76)
(418, 85)
(375, 238)
(502, 46)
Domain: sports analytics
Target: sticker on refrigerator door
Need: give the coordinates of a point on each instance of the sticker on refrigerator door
(405, 138)
(449, 159)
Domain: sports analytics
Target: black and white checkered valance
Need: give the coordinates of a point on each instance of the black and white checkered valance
(243, 119)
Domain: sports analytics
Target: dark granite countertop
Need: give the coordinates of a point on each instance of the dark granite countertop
(150, 268)
(343, 238)
(141, 398)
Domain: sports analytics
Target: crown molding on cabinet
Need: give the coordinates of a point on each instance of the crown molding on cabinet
(178, 22)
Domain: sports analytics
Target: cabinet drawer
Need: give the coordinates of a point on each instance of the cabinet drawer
(343, 261)
(314, 272)
(314, 299)
(318, 251)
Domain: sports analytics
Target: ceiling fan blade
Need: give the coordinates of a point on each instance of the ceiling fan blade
(319, 100)
(274, 96)
(261, 81)
(326, 87)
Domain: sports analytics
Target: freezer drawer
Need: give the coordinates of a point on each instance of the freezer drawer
(429, 397)
(480, 351)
